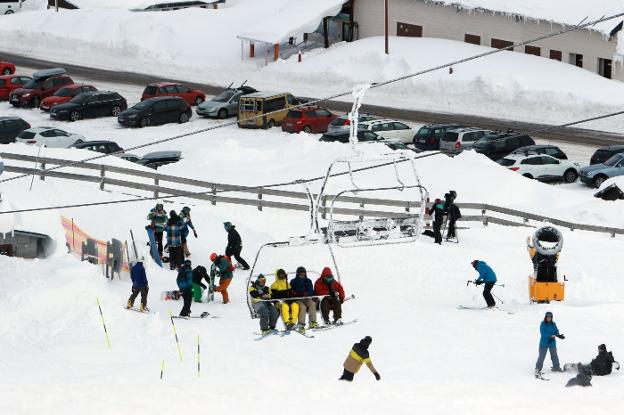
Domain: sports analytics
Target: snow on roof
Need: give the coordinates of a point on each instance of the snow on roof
(294, 17)
(120, 4)
(567, 12)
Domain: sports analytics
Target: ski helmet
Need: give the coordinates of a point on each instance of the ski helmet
(213, 257)
(186, 209)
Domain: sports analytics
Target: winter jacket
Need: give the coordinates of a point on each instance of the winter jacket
(200, 273)
(234, 240)
(486, 273)
(280, 289)
(158, 219)
(547, 331)
(223, 267)
(438, 214)
(602, 364)
(322, 288)
(174, 234)
(256, 292)
(357, 357)
(186, 224)
(185, 279)
(302, 287)
(138, 276)
(453, 212)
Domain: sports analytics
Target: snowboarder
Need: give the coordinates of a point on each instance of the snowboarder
(487, 276)
(438, 218)
(185, 284)
(326, 285)
(302, 287)
(267, 312)
(548, 343)
(185, 216)
(357, 357)
(158, 220)
(199, 274)
(139, 285)
(453, 213)
(223, 268)
(281, 290)
(235, 245)
(174, 240)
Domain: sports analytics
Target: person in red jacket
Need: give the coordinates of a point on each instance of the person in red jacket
(327, 285)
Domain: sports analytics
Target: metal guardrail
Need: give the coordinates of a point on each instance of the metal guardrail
(213, 190)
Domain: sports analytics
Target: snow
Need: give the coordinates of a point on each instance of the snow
(119, 4)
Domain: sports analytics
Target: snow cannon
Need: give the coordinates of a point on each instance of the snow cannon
(544, 248)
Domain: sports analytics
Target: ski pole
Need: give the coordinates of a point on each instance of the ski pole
(175, 333)
(198, 360)
(162, 368)
(103, 324)
(501, 301)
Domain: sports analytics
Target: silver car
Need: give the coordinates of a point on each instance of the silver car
(342, 123)
(459, 139)
(225, 104)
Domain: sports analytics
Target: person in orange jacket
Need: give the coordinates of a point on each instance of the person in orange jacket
(357, 357)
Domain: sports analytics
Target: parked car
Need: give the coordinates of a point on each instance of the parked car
(605, 153)
(102, 146)
(156, 111)
(6, 68)
(428, 136)
(170, 89)
(9, 83)
(547, 149)
(309, 119)
(154, 159)
(342, 122)
(394, 145)
(343, 136)
(10, 127)
(43, 84)
(498, 145)
(390, 129)
(225, 104)
(542, 167)
(595, 174)
(90, 105)
(64, 95)
(9, 6)
(459, 139)
(264, 109)
(48, 137)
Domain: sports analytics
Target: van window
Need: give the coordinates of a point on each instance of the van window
(248, 105)
(291, 100)
(450, 137)
(274, 104)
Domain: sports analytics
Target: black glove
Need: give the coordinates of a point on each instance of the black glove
(377, 376)
(561, 336)
(478, 282)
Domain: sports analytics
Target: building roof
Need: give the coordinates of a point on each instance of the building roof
(125, 4)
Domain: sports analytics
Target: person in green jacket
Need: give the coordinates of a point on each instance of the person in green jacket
(222, 267)
(158, 220)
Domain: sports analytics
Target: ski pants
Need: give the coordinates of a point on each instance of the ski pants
(185, 250)
(187, 295)
(331, 303)
(198, 292)
(437, 235)
(158, 234)
(268, 314)
(307, 306)
(487, 294)
(542, 356)
(346, 375)
(176, 257)
(290, 312)
(451, 229)
(235, 252)
(135, 294)
(224, 283)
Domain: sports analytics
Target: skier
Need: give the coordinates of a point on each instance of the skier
(453, 213)
(199, 274)
(222, 267)
(185, 284)
(158, 220)
(268, 314)
(139, 285)
(487, 276)
(327, 286)
(185, 216)
(438, 218)
(357, 357)
(302, 287)
(174, 240)
(281, 290)
(548, 332)
(235, 245)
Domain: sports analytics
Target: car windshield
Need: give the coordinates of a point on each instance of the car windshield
(79, 99)
(506, 162)
(484, 141)
(613, 160)
(424, 132)
(64, 92)
(32, 84)
(142, 105)
(150, 90)
(26, 135)
(224, 96)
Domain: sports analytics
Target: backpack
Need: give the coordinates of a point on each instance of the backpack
(230, 266)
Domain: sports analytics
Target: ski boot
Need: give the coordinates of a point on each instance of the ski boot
(129, 305)
(144, 309)
(338, 322)
(538, 373)
(266, 332)
(556, 369)
(289, 326)
(313, 325)
(326, 322)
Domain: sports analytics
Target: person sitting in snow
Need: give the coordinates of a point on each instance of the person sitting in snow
(602, 365)
(548, 343)
(185, 284)
(302, 287)
(281, 290)
(334, 294)
(357, 357)
(487, 276)
(259, 293)
(139, 285)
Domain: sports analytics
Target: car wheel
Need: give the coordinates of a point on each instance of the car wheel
(116, 110)
(74, 116)
(599, 180)
(7, 71)
(9, 12)
(184, 117)
(144, 122)
(79, 141)
(36, 102)
(223, 113)
(570, 176)
(528, 176)
(198, 100)
(271, 123)
(307, 129)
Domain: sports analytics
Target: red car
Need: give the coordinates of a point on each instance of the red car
(6, 68)
(10, 82)
(65, 94)
(310, 119)
(170, 89)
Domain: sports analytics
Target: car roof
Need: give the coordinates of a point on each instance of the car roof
(266, 94)
(441, 125)
(345, 132)
(522, 156)
(382, 120)
(466, 129)
(42, 128)
(159, 84)
(614, 147)
(307, 108)
(535, 147)
(10, 117)
(76, 85)
(156, 99)
(90, 143)
(46, 73)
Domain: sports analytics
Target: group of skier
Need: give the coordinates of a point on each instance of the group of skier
(177, 226)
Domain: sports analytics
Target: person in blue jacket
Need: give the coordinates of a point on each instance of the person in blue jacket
(548, 332)
(139, 285)
(185, 284)
(487, 276)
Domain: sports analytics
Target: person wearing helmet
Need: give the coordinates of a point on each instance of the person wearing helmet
(438, 218)
(185, 217)
(487, 276)
(185, 285)
(548, 343)
(158, 220)
(234, 245)
(260, 294)
(358, 356)
(281, 290)
(222, 268)
(174, 240)
(333, 298)
(302, 287)
(139, 285)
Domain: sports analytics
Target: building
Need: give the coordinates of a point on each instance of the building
(504, 23)
(25, 244)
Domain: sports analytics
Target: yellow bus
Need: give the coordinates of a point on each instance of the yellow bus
(264, 109)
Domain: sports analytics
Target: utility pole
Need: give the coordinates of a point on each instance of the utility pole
(386, 25)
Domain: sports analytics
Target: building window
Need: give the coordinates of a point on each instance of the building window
(556, 55)
(501, 44)
(604, 67)
(474, 39)
(576, 59)
(409, 30)
(532, 50)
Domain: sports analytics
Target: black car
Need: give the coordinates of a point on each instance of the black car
(428, 136)
(155, 111)
(498, 145)
(90, 105)
(547, 149)
(106, 147)
(605, 153)
(343, 136)
(10, 127)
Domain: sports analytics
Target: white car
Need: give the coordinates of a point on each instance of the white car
(48, 137)
(390, 129)
(542, 167)
(9, 6)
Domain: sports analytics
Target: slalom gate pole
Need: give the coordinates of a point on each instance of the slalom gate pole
(162, 369)
(175, 333)
(103, 324)
(198, 357)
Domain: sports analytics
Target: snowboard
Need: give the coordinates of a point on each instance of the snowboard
(153, 246)
(170, 295)
(333, 326)
(202, 315)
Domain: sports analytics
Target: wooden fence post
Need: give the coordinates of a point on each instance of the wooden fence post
(102, 176)
(260, 201)
(42, 175)
(214, 194)
(156, 183)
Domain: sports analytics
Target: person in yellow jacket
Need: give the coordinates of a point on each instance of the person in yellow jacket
(281, 290)
(357, 357)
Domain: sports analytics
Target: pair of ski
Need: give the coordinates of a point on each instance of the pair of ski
(463, 307)
(283, 333)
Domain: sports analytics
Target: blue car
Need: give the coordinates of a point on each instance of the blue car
(596, 174)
